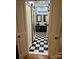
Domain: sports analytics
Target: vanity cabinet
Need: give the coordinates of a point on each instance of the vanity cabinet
(41, 28)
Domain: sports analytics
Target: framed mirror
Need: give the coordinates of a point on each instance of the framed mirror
(45, 18)
(38, 18)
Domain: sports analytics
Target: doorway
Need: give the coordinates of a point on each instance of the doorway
(25, 27)
(37, 26)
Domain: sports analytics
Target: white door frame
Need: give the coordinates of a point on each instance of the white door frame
(50, 25)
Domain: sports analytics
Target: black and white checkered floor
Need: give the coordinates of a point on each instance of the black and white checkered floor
(40, 44)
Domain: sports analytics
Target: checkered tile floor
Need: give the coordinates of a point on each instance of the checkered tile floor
(40, 43)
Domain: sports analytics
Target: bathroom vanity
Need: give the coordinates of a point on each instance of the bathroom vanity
(41, 28)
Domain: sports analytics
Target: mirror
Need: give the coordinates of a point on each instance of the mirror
(38, 18)
(44, 18)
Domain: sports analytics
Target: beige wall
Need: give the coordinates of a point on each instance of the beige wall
(47, 19)
(33, 23)
(34, 18)
(29, 25)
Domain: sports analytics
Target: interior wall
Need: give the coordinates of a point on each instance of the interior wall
(33, 22)
(29, 25)
(33, 17)
(47, 19)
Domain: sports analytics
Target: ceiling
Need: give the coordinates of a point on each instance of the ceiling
(40, 7)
